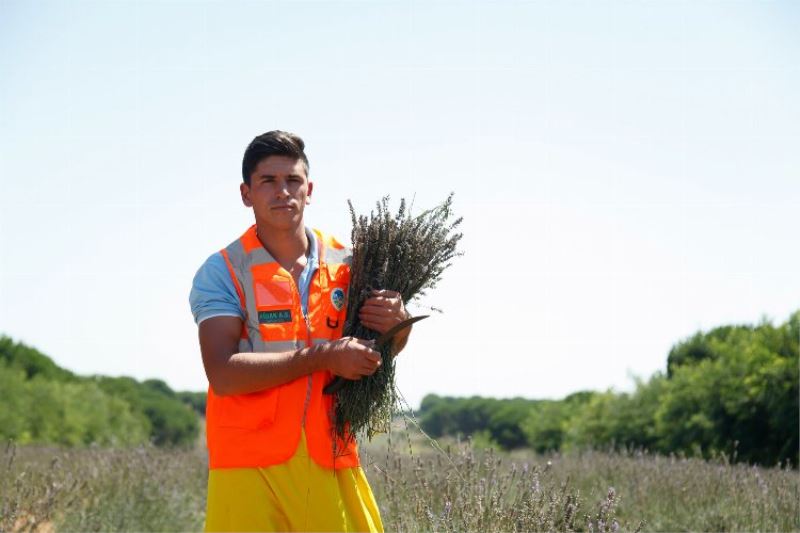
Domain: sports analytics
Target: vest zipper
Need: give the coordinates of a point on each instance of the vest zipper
(310, 376)
(308, 344)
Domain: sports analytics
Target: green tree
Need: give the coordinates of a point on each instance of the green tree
(43, 403)
(743, 396)
(545, 425)
(195, 400)
(13, 404)
(31, 361)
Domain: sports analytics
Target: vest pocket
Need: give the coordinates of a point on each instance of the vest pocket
(248, 411)
(275, 309)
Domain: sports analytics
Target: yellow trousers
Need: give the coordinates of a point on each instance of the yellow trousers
(298, 495)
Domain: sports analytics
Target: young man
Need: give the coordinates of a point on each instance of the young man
(270, 309)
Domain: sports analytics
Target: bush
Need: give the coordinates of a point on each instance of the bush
(43, 403)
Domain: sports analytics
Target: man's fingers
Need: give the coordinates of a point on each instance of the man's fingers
(386, 293)
(375, 325)
(374, 357)
(368, 343)
(382, 312)
(371, 354)
(375, 312)
(368, 370)
(378, 301)
(382, 321)
(372, 368)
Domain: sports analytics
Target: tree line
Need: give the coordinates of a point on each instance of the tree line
(734, 390)
(41, 402)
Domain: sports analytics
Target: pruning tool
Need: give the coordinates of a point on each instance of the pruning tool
(380, 342)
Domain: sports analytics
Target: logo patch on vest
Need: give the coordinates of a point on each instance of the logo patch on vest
(337, 298)
(275, 317)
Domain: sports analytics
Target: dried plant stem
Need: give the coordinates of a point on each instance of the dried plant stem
(398, 252)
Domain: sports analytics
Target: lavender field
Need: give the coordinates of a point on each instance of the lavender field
(459, 487)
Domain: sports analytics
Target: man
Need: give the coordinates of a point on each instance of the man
(270, 312)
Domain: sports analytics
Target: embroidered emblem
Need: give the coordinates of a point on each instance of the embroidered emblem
(337, 298)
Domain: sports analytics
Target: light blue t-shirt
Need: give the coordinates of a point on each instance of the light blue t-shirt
(214, 294)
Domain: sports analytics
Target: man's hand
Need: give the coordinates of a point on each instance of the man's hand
(351, 358)
(383, 311)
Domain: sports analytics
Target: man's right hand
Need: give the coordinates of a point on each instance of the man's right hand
(352, 358)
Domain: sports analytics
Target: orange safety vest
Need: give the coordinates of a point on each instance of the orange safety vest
(263, 428)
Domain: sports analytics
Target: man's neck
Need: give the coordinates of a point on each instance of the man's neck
(285, 246)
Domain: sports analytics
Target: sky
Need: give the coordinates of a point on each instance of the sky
(628, 172)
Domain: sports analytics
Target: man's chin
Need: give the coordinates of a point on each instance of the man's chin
(287, 224)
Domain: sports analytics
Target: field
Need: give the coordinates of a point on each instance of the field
(461, 487)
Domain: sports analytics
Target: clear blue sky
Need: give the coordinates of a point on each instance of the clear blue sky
(629, 172)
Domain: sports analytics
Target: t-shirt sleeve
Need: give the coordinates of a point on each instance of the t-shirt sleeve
(213, 292)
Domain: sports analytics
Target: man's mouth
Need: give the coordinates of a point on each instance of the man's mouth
(283, 207)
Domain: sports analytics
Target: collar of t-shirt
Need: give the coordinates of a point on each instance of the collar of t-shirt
(312, 264)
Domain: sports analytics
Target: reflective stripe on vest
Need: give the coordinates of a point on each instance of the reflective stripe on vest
(263, 428)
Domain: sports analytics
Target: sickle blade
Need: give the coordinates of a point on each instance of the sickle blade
(397, 328)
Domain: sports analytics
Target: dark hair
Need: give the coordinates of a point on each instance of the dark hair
(272, 143)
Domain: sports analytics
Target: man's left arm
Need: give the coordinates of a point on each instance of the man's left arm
(382, 311)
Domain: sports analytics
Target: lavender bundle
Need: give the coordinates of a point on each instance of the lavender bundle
(399, 252)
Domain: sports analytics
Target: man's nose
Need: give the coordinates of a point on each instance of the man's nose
(282, 189)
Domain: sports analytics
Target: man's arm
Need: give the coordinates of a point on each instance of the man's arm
(232, 372)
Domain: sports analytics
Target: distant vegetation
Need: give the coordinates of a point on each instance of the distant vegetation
(43, 403)
(732, 391)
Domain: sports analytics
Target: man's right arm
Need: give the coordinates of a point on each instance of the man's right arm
(232, 372)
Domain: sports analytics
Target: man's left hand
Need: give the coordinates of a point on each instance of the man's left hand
(382, 311)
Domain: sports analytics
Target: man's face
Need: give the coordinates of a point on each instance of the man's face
(279, 191)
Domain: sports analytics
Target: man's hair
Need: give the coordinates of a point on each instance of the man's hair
(272, 143)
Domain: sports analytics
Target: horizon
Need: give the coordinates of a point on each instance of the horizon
(762, 321)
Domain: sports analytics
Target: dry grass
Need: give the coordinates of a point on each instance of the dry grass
(468, 488)
(139, 489)
(461, 488)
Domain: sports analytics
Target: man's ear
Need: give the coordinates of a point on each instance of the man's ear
(310, 190)
(245, 190)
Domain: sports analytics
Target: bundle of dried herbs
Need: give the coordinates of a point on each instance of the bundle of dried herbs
(399, 252)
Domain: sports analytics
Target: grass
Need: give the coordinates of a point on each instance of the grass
(476, 489)
(418, 488)
(95, 489)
